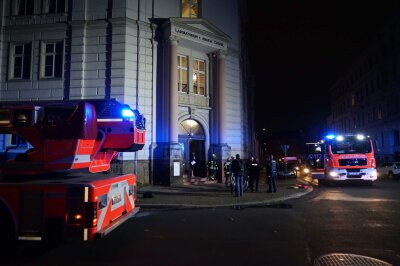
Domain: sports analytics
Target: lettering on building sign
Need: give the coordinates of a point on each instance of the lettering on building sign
(199, 37)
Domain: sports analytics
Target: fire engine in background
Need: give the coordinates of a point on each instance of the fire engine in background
(59, 188)
(314, 161)
(348, 157)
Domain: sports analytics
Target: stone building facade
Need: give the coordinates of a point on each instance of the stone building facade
(367, 98)
(181, 63)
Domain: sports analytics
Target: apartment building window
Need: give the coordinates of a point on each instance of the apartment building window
(393, 72)
(199, 75)
(182, 73)
(52, 59)
(190, 8)
(55, 6)
(23, 7)
(379, 115)
(353, 100)
(376, 142)
(20, 61)
(396, 138)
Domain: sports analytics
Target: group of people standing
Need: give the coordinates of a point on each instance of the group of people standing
(235, 170)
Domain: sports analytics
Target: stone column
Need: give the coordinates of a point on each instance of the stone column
(221, 149)
(222, 91)
(168, 165)
(173, 87)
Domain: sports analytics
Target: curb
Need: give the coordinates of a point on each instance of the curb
(214, 206)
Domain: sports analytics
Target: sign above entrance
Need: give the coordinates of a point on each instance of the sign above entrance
(197, 37)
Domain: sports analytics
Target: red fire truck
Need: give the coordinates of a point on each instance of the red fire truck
(60, 187)
(348, 157)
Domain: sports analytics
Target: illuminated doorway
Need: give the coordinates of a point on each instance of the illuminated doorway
(192, 139)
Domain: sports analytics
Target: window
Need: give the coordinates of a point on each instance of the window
(353, 100)
(396, 138)
(182, 73)
(23, 7)
(55, 6)
(190, 8)
(20, 61)
(191, 128)
(199, 77)
(379, 112)
(17, 140)
(52, 60)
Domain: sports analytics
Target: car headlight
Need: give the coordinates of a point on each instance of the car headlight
(333, 174)
(306, 170)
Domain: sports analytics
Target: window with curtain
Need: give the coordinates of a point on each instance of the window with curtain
(190, 8)
(182, 73)
(199, 75)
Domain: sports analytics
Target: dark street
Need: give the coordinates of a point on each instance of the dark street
(333, 219)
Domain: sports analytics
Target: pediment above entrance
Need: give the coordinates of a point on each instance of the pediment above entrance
(196, 33)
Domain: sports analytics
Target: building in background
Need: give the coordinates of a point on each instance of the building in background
(367, 98)
(182, 63)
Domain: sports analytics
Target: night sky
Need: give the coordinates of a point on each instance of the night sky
(298, 49)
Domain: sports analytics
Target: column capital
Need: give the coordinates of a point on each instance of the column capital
(221, 54)
(154, 42)
(173, 40)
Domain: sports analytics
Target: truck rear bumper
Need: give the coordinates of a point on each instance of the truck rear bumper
(78, 233)
(115, 224)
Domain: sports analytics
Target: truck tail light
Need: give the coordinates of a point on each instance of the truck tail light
(90, 214)
(75, 218)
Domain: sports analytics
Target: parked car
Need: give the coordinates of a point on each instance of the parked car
(287, 170)
(303, 170)
(390, 170)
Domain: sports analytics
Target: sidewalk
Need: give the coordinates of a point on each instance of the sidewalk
(217, 195)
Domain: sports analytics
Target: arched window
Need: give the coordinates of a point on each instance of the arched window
(191, 128)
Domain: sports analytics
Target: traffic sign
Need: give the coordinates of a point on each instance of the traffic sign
(285, 148)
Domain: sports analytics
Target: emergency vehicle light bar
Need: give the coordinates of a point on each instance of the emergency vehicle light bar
(127, 113)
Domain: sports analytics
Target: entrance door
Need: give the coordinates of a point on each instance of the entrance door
(192, 139)
(196, 149)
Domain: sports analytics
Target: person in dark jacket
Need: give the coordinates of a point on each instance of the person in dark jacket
(254, 173)
(272, 174)
(238, 171)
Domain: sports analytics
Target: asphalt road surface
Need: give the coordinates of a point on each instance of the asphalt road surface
(351, 219)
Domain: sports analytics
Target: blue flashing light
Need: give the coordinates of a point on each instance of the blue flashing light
(331, 136)
(127, 113)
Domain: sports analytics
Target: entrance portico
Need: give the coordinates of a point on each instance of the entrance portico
(194, 78)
